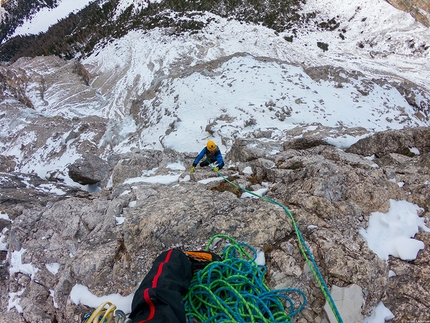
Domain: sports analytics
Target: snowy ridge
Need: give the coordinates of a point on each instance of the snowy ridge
(372, 36)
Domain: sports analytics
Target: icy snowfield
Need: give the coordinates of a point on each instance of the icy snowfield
(231, 80)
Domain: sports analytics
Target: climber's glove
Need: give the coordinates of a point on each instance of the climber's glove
(216, 168)
(192, 169)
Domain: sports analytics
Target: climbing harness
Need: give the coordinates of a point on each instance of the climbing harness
(306, 252)
(105, 315)
(233, 290)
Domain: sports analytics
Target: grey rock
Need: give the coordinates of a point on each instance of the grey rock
(245, 150)
(349, 301)
(89, 169)
(394, 141)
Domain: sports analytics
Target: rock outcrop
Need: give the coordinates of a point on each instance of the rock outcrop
(407, 142)
(419, 9)
(88, 170)
(107, 240)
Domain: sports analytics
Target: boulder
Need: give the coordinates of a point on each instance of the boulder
(88, 170)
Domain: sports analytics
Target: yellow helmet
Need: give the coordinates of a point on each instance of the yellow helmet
(211, 145)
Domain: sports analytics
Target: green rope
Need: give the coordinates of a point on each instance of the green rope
(307, 254)
(233, 290)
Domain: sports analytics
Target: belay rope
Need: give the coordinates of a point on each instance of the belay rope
(307, 254)
(233, 290)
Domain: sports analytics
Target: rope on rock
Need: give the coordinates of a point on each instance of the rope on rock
(233, 290)
(306, 252)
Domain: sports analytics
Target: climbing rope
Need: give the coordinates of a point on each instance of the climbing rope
(307, 254)
(233, 290)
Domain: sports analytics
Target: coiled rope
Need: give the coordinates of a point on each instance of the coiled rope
(307, 254)
(233, 290)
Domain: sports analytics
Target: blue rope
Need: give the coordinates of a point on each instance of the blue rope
(307, 254)
(233, 290)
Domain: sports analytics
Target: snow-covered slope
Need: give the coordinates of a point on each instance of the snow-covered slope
(367, 35)
(237, 71)
(158, 88)
(378, 40)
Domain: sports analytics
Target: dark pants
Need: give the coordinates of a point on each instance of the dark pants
(206, 163)
(159, 296)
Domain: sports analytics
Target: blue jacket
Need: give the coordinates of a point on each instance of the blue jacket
(211, 157)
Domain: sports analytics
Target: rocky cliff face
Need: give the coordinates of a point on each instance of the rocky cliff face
(107, 240)
(419, 9)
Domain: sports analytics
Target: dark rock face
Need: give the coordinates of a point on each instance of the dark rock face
(107, 240)
(20, 191)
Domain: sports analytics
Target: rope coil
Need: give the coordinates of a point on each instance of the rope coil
(233, 290)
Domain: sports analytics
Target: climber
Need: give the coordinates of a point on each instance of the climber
(213, 156)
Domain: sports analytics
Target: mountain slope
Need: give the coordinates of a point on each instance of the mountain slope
(362, 35)
(228, 79)
(134, 91)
